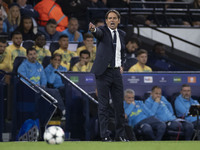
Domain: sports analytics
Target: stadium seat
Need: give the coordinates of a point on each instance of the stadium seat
(129, 62)
(73, 61)
(53, 46)
(28, 44)
(18, 60)
(46, 61)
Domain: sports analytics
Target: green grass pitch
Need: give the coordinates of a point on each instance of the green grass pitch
(137, 145)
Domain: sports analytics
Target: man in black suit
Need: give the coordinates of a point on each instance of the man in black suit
(107, 69)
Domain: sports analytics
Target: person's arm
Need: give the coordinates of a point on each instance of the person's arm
(43, 79)
(129, 109)
(97, 32)
(50, 74)
(168, 104)
(180, 108)
(152, 106)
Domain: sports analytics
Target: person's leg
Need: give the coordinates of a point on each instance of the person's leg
(188, 130)
(103, 83)
(157, 126)
(117, 94)
(147, 131)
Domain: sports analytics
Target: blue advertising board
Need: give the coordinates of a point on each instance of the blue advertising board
(142, 83)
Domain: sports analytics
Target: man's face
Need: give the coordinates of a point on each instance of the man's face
(85, 58)
(186, 92)
(2, 47)
(63, 42)
(17, 40)
(142, 58)
(88, 42)
(129, 98)
(32, 56)
(131, 47)
(156, 93)
(112, 21)
(73, 26)
(51, 28)
(40, 41)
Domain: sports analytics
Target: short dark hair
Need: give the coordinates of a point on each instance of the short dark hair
(141, 51)
(56, 54)
(15, 33)
(185, 85)
(155, 87)
(114, 11)
(51, 21)
(87, 35)
(134, 40)
(63, 36)
(158, 46)
(38, 35)
(30, 49)
(85, 52)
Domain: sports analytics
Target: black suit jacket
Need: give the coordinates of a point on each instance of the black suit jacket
(105, 49)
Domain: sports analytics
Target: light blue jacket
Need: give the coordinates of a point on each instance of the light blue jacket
(34, 72)
(71, 36)
(182, 107)
(162, 111)
(136, 113)
(52, 77)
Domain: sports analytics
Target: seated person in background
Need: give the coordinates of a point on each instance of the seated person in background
(16, 49)
(40, 42)
(140, 117)
(162, 110)
(26, 28)
(131, 48)
(72, 31)
(14, 17)
(183, 103)
(159, 59)
(53, 79)
(27, 9)
(34, 71)
(63, 50)
(50, 30)
(84, 65)
(5, 58)
(49, 9)
(89, 45)
(140, 66)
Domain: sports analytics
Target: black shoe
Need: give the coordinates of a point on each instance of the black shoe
(107, 139)
(121, 139)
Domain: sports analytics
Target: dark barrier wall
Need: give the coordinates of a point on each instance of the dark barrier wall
(143, 82)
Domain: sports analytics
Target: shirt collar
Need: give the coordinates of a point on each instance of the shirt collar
(112, 30)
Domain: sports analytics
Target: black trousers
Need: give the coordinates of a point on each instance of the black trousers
(110, 83)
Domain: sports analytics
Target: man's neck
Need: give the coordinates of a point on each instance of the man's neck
(16, 46)
(142, 65)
